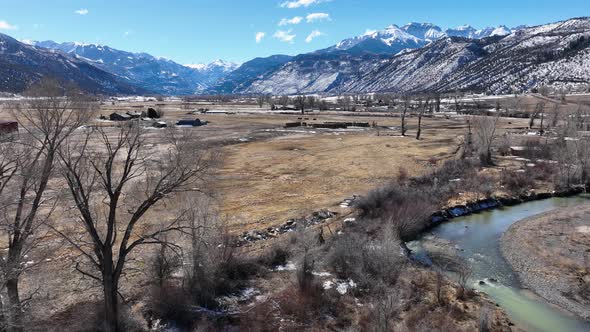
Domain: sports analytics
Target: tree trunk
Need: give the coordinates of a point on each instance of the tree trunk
(419, 127)
(15, 323)
(404, 123)
(111, 317)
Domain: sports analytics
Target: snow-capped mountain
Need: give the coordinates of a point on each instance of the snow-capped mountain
(217, 65)
(391, 40)
(467, 31)
(244, 75)
(22, 64)
(155, 74)
(394, 39)
(214, 71)
(424, 31)
(555, 54)
(416, 57)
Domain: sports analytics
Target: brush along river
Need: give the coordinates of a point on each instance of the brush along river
(476, 239)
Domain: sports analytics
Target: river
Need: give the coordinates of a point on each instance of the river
(477, 237)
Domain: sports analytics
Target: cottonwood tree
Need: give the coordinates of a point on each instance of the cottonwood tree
(484, 131)
(422, 106)
(300, 103)
(46, 119)
(114, 180)
(260, 100)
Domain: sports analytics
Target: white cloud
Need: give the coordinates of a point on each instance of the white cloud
(314, 34)
(316, 17)
(287, 21)
(82, 11)
(285, 36)
(128, 33)
(259, 36)
(7, 26)
(300, 3)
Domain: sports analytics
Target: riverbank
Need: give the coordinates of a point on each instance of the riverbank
(493, 203)
(550, 254)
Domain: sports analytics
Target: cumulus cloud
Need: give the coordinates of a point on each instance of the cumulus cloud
(314, 34)
(316, 17)
(300, 3)
(7, 26)
(285, 36)
(259, 36)
(294, 20)
(82, 11)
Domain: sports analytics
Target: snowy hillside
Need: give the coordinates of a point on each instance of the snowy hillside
(555, 54)
(22, 64)
(155, 74)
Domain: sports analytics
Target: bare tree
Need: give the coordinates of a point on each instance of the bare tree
(463, 275)
(114, 181)
(284, 101)
(484, 130)
(437, 100)
(165, 261)
(536, 112)
(300, 103)
(311, 102)
(406, 105)
(422, 106)
(555, 115)
(260, 100)
(48, 117)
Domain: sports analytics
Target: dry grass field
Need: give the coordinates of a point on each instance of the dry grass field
(268, 174)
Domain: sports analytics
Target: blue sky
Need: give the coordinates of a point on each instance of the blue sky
(194, 31)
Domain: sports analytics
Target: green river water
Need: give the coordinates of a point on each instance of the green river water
(478, 237)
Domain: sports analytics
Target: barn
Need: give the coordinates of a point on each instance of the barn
(119, 117)
(194, 123)
(8, 127)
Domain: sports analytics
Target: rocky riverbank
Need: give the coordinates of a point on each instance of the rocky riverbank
(551, 255)
(495, 202)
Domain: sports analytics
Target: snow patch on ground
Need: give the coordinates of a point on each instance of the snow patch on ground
(341, 286)
(287, 267)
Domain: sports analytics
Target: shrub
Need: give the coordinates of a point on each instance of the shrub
(276, 256)
(517, 183)
(369, 262)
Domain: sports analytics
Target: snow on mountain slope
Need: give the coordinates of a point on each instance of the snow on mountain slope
(421, 69)
(391, 40)
(155, 74)
(554, 54)
(424, 31)
(22, 64)
(242, 77)
(314, 73)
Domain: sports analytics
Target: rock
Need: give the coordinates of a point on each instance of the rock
(458, 211)
(482, 283)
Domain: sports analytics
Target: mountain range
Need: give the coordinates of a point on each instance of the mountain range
(415, 57)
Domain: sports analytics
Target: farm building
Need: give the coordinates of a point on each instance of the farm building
(160, 124)
(134, 114)
(8, 127)
(119, 117)
(194, 123)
